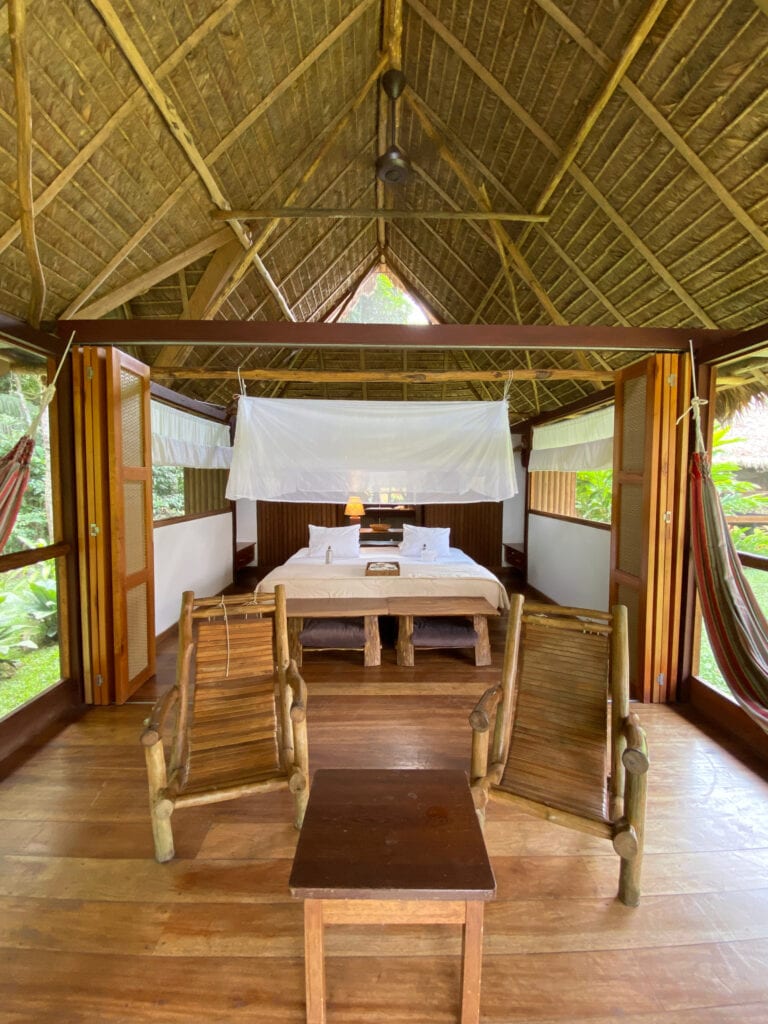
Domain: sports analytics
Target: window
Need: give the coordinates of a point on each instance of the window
(382, 299)
(189, 454)
(178, 492)
(570, 467)
(740, 473)
(30, 660)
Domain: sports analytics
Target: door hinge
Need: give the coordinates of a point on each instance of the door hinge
(672, 380)
(99, 680)
(89, 374)
(94, 530)
(660, 679)
(667, 518)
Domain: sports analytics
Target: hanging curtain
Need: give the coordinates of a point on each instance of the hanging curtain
(574, 445)
(392, 452)
(181, 439)
(737, 628)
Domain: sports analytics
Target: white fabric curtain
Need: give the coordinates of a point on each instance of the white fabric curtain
(421, 452)
(575, 445)
(182, 439)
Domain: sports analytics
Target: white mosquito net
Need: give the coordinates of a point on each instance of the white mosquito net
(389, 452)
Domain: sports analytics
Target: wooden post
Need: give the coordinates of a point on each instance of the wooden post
(160, 809)
(314, 961)
(372, 649)
(405, 641)
(472, 962)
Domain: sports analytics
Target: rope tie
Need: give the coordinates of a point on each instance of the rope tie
(695, 407)
(508, 385)
(226, 632)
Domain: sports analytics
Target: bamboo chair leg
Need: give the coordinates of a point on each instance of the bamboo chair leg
(634, 809)
(160, 809)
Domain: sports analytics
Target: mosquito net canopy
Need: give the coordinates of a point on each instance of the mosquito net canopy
(323, 451)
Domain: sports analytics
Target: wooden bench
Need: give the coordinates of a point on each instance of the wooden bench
(367, 639)
(409, 608)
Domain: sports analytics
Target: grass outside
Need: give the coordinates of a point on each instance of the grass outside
(708, 670)
(32, 672)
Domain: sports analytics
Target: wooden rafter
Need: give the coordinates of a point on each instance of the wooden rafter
(318, 335)
(17, 20)
(379, 376)
(130, 105)
(598, 198)
(139, 285)
(183, 136)
(342, 121)
(660, 122)
(424, 116)
(326, 213)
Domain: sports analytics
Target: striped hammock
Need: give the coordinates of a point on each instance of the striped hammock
(737, 628)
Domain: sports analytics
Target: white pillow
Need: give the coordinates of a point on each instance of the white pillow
(437, 541)
(344, 541)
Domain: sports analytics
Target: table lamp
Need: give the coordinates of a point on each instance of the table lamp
(354, 508)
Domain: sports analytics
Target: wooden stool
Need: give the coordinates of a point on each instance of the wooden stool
(368, 640)
(391, 847)
(407, 608)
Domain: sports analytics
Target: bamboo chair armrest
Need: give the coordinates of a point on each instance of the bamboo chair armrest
(481, 716)
(153, 726)
(635, 756)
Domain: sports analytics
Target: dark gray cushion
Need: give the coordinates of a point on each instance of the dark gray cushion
(340, 634)
(445, 631)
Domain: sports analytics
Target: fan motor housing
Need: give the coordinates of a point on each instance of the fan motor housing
(393, 166)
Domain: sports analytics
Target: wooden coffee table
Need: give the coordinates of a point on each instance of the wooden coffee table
(391, 847)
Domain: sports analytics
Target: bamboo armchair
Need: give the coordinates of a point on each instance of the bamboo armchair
(557, 737)
(238, 711)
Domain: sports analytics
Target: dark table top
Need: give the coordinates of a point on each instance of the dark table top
(391, 834)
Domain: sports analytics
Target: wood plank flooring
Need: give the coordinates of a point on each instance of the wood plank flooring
(93, 931)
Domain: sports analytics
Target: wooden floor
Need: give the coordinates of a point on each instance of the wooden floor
(93, 931)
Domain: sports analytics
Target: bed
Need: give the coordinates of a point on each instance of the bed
(452, 574)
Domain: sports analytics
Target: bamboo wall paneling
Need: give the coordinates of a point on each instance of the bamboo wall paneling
(283, 527)
(475, 528)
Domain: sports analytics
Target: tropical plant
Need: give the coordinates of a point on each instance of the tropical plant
(593, 495)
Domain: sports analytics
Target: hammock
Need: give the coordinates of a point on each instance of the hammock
(14, 465)
(737, 627)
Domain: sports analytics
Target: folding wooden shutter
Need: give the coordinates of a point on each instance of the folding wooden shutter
(650, 453)
(114, 466)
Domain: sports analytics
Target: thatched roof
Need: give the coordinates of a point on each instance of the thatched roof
(637, 129)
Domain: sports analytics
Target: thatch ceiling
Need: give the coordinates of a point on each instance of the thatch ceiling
(637, 128)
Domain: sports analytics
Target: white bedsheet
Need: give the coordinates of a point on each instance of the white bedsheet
(455, 575)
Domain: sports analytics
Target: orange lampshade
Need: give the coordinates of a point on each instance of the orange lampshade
(354, 507)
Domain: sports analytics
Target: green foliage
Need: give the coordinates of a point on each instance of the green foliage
(386, 303)
(738, 497)
(32, 674)
(593, 495)
(20, 395)
(167, 492)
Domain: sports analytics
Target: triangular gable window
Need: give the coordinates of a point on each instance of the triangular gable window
(382, 299)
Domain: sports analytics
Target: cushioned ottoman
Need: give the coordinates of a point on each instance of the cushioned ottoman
(333, 634)
(443, 631)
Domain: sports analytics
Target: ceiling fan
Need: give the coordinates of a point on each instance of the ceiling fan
(393, 166)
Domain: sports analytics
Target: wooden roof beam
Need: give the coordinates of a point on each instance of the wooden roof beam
(183, 136)
(361, 213)
(66, 175)
(423, 114)
(17, 22)
(316, 335)
(342, 121)
(598, 198)
(379, 376)
(660, 122)
(147, 280)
